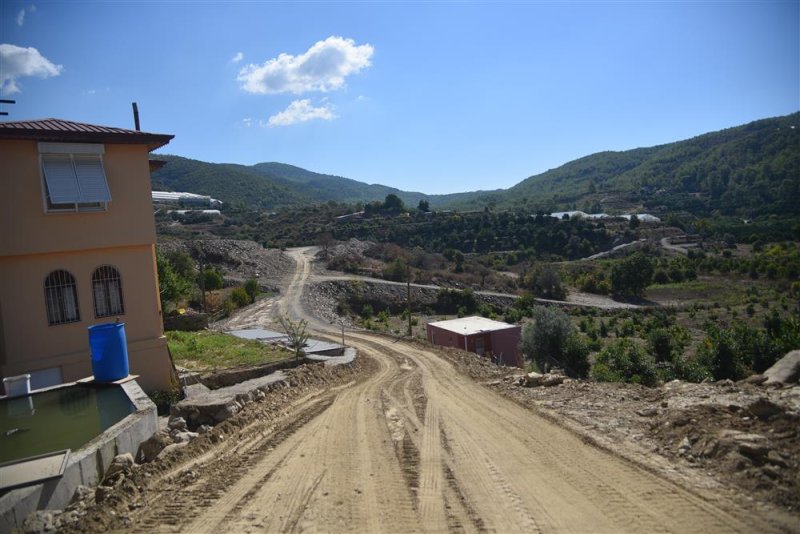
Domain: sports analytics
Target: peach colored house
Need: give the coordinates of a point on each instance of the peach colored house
(77, 248)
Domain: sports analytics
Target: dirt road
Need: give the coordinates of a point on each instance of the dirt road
(418, 447)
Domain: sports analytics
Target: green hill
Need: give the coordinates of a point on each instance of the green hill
(747, 170)
(744, 171)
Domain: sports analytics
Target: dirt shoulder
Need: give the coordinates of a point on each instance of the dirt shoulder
(737, 438)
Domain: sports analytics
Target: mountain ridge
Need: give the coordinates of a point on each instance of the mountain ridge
(737, 170)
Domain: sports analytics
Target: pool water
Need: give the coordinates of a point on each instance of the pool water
(64, 418)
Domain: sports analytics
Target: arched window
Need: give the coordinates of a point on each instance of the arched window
(107, 291)
(61, 296)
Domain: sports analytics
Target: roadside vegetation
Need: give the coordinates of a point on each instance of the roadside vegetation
(183, 285)
(208, 351)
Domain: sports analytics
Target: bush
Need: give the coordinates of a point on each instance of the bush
(659, 345)
(367, 312)
(624, 361)
(239, 297)
(576, 356)
(212, 279)
(252, 289)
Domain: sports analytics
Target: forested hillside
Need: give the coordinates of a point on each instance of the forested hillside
(749, 170)
(746, 171)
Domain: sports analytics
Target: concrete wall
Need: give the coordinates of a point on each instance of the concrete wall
(34, 243)
(505, 344)
(85, 466)
(501, 343)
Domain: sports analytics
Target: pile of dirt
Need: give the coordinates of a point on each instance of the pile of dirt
(744, 436)
(344, 248)
(237, 260)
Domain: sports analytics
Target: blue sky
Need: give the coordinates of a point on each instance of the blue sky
(434, 97)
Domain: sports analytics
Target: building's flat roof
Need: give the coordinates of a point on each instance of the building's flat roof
(79, 132)
(466, 326)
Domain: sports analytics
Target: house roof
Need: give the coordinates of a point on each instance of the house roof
(60, 130)
(467, 326)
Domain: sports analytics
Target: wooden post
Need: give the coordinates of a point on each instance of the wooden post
(408, 298)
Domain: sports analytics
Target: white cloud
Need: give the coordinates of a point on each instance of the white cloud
(238, 57)
(323, 67)
(21, 17)
(301, 111)
(247, 122)
(16, 62)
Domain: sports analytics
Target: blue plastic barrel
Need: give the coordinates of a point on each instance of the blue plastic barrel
(109, 351)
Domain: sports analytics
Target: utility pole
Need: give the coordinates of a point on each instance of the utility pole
(408, 297)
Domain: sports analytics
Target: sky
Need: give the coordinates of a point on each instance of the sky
(437, 97)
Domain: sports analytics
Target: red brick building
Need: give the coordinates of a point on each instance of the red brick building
(485, 337)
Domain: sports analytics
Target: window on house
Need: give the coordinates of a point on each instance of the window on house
(74, 178)
(61, 296)
(107, 291)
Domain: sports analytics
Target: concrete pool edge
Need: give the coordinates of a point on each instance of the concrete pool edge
(87, 465)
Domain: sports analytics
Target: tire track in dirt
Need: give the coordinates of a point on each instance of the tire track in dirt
(547, 477)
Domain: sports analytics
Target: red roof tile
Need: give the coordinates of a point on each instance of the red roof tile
(69, 131)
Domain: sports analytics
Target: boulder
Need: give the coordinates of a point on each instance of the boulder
(122, 463)
(177, 423)
(149, 450)
(786, 370)
(183, 437)
(537, 379)
(764, 409)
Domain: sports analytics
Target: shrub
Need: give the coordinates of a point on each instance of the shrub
(719, 350)
(252, 289)
(366, 311)
(660, 277)
(659, 345)
(212, 279)
(624, 361)
(240, 297)
(576, 356)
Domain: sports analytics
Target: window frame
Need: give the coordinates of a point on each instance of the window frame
(104, 276)
(81, 150)
(55, 298)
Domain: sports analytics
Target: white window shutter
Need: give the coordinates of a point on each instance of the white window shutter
(91, 179)
(62, 185)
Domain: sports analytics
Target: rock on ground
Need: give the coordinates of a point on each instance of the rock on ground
(786, 370)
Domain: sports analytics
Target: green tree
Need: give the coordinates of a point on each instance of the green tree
(183, 264)
(424, 206)
(544, 340)
(172, 287)
(546, 284)
(631, 275)
(392, 204)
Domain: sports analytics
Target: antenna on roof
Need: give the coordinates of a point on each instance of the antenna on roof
(136, 116)
(6, 101)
